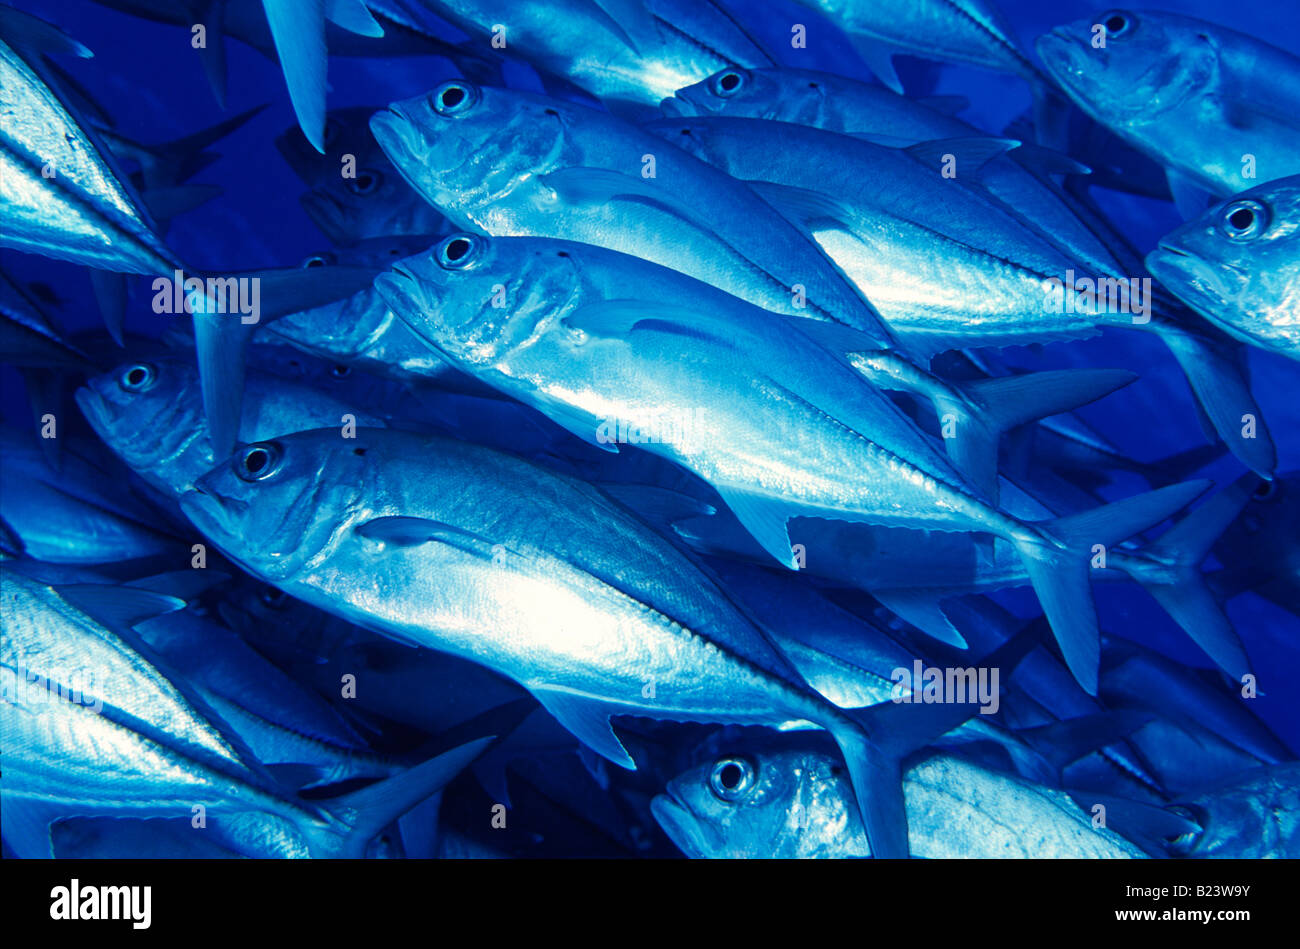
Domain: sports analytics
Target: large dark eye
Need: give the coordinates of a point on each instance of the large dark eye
(732, 778)
(1117, 23)
(259, 461)
(367, 181)
(316, 260)
(1244, 220)
(275, 599)
(457, 251)
(454, 97)
(340, 371)
(727, 83)
(138, 378)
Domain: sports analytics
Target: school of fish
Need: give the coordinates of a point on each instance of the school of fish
(683, 442)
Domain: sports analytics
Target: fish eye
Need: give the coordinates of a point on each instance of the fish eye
(259, 461)
(138, 378)
(1244, 220)
(727, 83)
(340, 371)
(367, 181)
(732, 778)
(274, 598)
(1117, 23)
(315, 260)
(1266, 491)
(457, 251)
(454, 97)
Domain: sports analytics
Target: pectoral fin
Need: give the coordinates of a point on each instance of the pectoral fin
(588, 720)
(765, 520)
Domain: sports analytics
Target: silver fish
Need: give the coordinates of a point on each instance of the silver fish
(151, 413)
(949, 268)
(1216, 107)
(972, 32)
(77, 515)
(1253, 815)
(61, 192)
(624, 52)
(1238, 265)
(778, 423)
(536, 576)
(92, 727)
(512, 163)
(374, 201)
(788, 800)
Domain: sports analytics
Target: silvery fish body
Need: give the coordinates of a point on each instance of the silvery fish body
(75, 515)
(151, 413)
(536, 576)
(1216, 107)
(785, 799)
(277, 719)
(1254, 815)
(948, 267)
(958, 31)
(760, 411)
(848, 106)
(1238, 265)
(147, 750)
(510, 163)
(945, 265)
(360, 331)
(779, 424)
(60, 193)
(621, 51)
(821, 100)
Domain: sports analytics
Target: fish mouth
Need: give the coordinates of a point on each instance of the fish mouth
(405, 295)
(696, 838)
(1063, 56)
(387, 127)
(95, 410)
(1188, 276)
(676, 107)
(679, 824)
(207, 511)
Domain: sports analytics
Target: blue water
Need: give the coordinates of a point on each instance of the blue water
(150, 80)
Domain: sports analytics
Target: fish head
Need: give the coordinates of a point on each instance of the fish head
(749, 93)
(693, 135)
(347, 132)
(1238, 263)
(478, 299)
(768, 800)
(1131, 68)
(347, 328)
(281, 505)
(147, 410)
(465, 146)
(1248, 814)
(369, 197)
